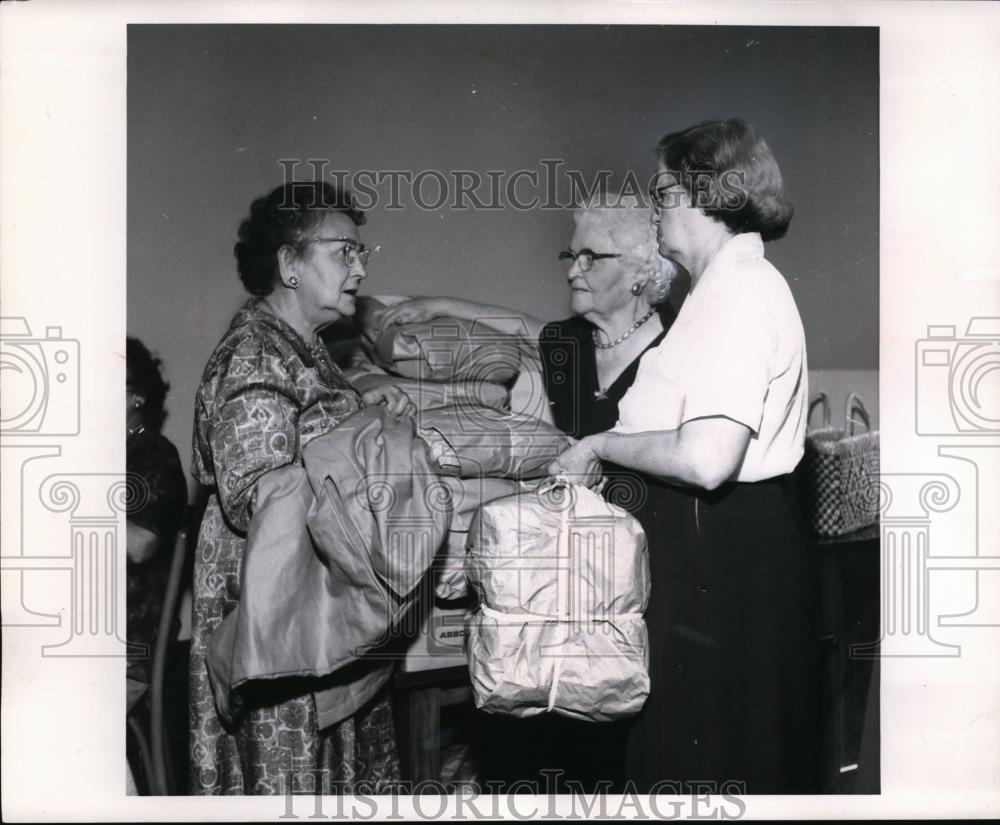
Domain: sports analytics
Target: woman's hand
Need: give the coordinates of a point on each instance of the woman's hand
(141, 544)
(396, 401)
(413, 312)
(579, 464)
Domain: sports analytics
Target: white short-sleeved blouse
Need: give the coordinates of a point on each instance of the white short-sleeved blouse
(737, 350)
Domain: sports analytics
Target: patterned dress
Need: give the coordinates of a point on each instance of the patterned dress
(264, 395)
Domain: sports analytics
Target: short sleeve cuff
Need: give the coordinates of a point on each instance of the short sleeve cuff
(650, 407)
(740, 411)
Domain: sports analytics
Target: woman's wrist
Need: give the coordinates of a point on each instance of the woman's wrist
(454, 308)
(598, 444)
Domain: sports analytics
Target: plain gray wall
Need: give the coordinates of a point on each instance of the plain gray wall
(211, 109)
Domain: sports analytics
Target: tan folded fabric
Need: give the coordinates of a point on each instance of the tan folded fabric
(335, 553)
(469, 440)
(448, 349)
(427, 395)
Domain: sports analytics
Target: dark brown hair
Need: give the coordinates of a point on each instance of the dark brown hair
(281, 218)
(730, 173)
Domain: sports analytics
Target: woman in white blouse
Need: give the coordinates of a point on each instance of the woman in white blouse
(715, 422)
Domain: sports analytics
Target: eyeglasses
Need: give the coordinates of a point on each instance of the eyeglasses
(584, 258)
(353, 251)
(658, 196)
(666, 188)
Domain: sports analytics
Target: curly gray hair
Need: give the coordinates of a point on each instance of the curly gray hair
(628, 220)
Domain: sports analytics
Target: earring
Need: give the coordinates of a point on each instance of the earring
(637, 288)
(293, 282)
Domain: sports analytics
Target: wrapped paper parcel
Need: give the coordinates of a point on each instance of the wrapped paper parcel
(563, 580)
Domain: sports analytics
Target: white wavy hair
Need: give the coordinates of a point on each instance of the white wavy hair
(629, 223)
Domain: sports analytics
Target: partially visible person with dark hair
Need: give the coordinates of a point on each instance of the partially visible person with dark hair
(155, 514)
(715, 421)
(269, 388)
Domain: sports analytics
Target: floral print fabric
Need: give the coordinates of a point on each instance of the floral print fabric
(265, 394)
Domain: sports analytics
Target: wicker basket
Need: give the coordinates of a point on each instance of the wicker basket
(841, 472)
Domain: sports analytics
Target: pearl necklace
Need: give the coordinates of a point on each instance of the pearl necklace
(625, 336)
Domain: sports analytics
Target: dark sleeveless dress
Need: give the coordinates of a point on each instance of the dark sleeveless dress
(731, 619)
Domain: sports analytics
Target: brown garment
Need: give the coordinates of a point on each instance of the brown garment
(472, 441)
(334, 554)
(449, 349)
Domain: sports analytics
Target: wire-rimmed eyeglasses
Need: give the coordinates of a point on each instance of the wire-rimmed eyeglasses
(353, 251)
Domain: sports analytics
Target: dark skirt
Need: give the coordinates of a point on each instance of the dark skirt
(550, 754)
(733, 642)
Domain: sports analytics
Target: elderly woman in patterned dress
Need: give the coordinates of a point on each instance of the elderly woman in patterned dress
(268, 389)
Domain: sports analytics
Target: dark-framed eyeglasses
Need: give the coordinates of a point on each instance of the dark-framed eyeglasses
(353, 251)
(584, 258)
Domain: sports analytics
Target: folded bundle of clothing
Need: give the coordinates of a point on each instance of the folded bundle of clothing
(448, 349)
(335, 552)
(472, 441)
(427, 395)
(563, 580)
(440, 362)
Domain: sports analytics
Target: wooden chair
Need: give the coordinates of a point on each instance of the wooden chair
(154, 744)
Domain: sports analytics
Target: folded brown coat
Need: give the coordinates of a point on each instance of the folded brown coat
(472, 441)
(449, 349)
(334, 553)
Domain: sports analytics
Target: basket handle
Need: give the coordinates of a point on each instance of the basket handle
(819, 399)
(855, 404)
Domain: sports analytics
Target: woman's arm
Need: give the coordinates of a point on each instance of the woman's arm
(254, 426)
(501, 319)
(704, 452)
